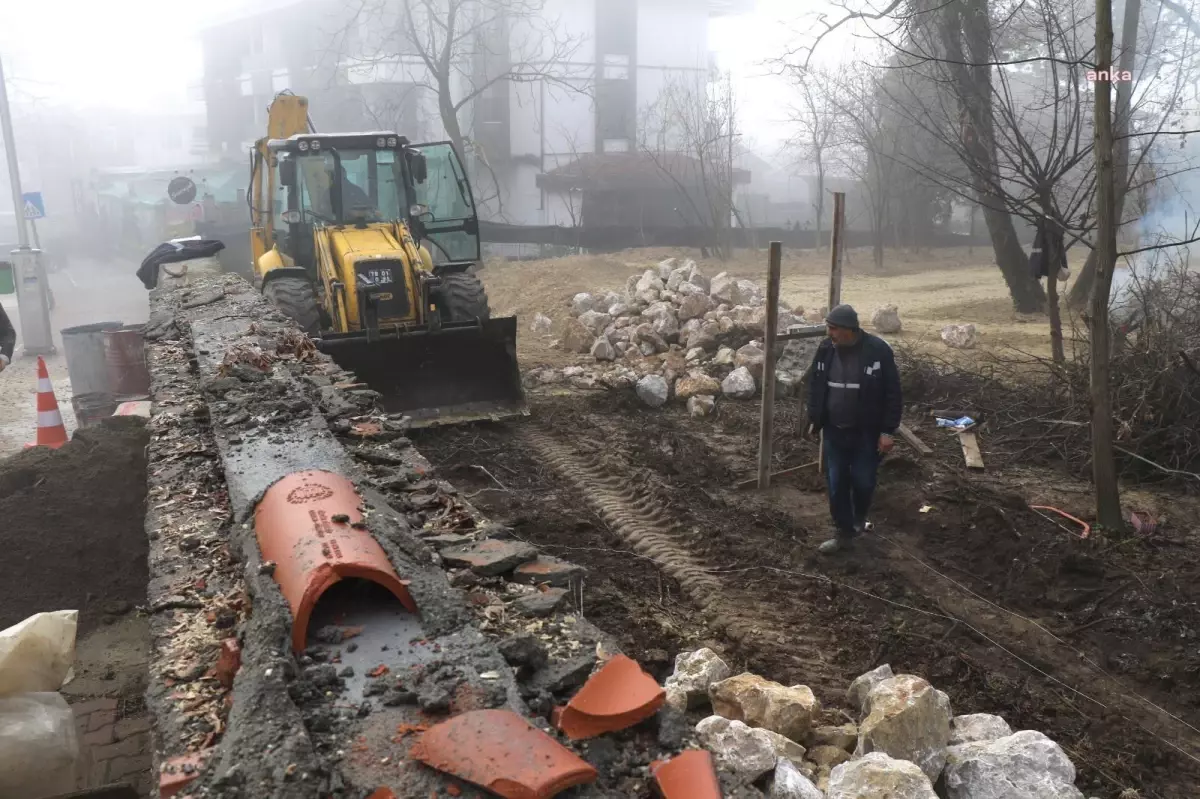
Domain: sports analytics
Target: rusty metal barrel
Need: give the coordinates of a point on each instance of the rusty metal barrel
(91, 408)
(86, 365)
(125, 354)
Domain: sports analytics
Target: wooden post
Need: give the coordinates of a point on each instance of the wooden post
(767, 426)
(836, 241)
(836, 244)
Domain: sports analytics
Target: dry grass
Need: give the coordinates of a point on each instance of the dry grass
(931, 290)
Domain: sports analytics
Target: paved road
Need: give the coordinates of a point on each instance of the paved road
(88, 291)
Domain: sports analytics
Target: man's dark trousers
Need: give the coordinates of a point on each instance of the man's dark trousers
(851, 465)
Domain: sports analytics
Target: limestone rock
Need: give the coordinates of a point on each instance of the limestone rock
(666, 326)
(701, 405)
(695, 354)
(828, 757)
(886, 319)
(674, 365)
(790, 783)
(786, 384)
(694, 305)
(653, 390)
(576, 337)
(977, 727)
(541, 324)
(788, 749)
(705, 336)
(747, 752)
(603, 350)
(724, 356)
(695, 384)
(960, 337)
(878, 776)
(857, 694)
(648, 340)
(595, 321)
(688, 289)
(619, 309)
(760, 702)
(739, 384)
(1022, 765)
(751, 357)
(724, 289)
(694, 673)
(490, 557)
(907, 719)
(750, 293)
(664, 269)
(843, 737)
(648, 288)
(582, 303)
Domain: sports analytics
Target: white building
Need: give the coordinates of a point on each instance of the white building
(620, 54)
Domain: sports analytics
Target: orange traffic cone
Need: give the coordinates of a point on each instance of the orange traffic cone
(50, 429)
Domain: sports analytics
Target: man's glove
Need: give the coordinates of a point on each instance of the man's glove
(3, 362)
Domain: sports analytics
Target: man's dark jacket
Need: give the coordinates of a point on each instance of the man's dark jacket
(8, 335)
(879, 399)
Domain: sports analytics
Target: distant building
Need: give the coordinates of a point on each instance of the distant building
(524, 133)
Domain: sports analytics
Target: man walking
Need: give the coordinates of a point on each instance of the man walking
(8, 339)
(854, 399)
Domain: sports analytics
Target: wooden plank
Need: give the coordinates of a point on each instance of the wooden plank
(766, 428)
(911, 439)
(970, 448)
(753, 481)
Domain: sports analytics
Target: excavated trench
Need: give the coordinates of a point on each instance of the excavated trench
(677, 558)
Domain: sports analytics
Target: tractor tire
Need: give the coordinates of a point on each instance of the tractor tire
(294, 297)
(463, 298)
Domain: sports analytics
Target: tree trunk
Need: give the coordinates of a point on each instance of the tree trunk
(820, 201)
(1081, 290)
(1104, 466)
(1056, 334)
(974, 89)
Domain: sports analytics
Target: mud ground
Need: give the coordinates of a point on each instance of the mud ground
(1098, 651)
(71, 526)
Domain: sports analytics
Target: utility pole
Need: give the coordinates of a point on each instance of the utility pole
(30, 273)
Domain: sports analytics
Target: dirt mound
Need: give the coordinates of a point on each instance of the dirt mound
(71, 525)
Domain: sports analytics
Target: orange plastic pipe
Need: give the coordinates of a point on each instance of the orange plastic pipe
(688, 776)
(310, 525)
(616, 697)
(504, 753)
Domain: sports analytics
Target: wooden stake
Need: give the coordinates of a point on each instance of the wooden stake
(767, 424)
(836, 238)
(914, 442)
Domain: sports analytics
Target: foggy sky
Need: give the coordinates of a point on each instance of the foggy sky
(143, 54)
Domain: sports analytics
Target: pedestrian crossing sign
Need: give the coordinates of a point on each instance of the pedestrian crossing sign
(35, 208)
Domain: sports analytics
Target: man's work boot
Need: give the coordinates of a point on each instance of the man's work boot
(836, 545)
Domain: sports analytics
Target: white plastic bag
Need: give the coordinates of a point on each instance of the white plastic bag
(36, 654)
(39, 751)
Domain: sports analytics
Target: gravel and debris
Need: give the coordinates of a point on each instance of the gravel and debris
(673, 335)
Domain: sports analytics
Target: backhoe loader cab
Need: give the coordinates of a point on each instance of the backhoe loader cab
(367, 240)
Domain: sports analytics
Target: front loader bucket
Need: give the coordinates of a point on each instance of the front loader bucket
(464, 372)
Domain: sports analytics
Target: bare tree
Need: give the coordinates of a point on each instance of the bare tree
(461, 53)
(691, 135)
(815, 117)
(1104, 463)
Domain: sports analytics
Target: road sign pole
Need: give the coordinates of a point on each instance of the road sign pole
(14, 172)
(33, 304)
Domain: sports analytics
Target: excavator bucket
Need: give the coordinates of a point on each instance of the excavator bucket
(462, 372)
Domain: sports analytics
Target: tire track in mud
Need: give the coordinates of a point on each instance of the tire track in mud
(644, 522)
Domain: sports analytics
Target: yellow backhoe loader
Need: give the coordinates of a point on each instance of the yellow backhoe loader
(367, 242)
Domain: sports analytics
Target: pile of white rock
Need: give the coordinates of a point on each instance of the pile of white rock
(770, 738)
(675, 334)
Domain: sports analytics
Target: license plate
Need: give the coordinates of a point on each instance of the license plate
(385, 297)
